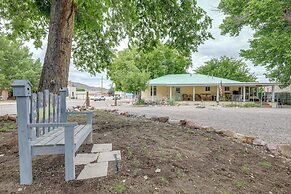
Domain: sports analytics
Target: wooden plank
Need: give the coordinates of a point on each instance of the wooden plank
(60, 139)
(39, 113)
(50, 135)
(50, 112)
(81, 137)
(47, 150)
(69, 154)
(53, 137)
(41, 138)
(45, 108)
(58, 109)
(63, 106)
(33, 115)
(54, 108)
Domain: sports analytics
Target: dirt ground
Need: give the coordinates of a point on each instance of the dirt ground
(190, 161)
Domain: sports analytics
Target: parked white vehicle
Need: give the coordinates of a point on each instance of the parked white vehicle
(98, 98)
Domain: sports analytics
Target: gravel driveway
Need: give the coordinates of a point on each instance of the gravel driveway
(269, 124)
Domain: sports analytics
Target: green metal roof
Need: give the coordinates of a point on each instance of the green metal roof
(190, 79)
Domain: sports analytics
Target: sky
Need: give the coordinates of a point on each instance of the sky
(220, 46)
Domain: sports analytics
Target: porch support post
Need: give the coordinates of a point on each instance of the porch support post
(170, 92)
(273, 93)
(152, 93)
(217, 93)
(194, 93)
(244, 93)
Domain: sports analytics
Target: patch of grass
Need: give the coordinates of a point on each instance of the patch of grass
(179, 156)
(4, 129)
(226, 192)
(129, 150)
(265, 164)
(243, 105)
(162, 154)
(119, 187)
(239, 183)
(245, 168)
(164, 181)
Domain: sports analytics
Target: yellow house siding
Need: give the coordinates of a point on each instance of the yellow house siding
(164, 91)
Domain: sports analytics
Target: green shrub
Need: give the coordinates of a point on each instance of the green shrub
(243, 105)
(171, 102)
(140, 102)
(119, 188)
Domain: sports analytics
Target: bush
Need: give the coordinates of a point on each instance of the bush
(171, 102)
(140, 102)
(243, 105)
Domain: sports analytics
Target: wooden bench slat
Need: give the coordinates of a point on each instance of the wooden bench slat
(55, 140)
(45, 136)
(76, 131)
(55, 137)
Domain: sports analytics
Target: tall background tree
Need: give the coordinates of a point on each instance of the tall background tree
(270, 45)
(132, 68)
(93, 29)
(16, 63)
(229, 68)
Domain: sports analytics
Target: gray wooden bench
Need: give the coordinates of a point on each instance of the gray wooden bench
(43, 128)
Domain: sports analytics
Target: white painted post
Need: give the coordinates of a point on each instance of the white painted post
(273, 93)
(194, 93)
(152, 93)
(63, 106)
(244, 93)
(171, 92)
(22, 92)
(89, 122)
(69, 154)
(217, 94)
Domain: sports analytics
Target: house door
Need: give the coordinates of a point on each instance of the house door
(178, 93)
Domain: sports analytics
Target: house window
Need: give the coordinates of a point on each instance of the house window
(178, 90)
(226, 89)
(154, 90)
(207, 89)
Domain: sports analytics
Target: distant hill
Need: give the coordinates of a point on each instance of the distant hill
(86, 87)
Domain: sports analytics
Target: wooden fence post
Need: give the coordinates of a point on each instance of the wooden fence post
(22, 92)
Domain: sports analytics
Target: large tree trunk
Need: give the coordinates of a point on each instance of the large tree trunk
(56, 65)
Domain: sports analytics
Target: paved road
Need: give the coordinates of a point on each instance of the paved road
(271, 125)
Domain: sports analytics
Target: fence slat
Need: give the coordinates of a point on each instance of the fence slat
(33, 115)
(58, 109)
(54, 108)
(51, 109)
(45, 108)
(40, 113)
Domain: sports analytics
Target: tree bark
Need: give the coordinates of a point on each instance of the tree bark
(55, 71)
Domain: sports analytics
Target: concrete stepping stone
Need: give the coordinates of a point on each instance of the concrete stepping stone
(85, 158)
(101, 147)
(94, 170)
(109, 156)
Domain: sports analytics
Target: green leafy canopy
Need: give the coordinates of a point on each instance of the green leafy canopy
(132, 69)
(229, 68)
(270, 46)
(100, 26)
(16, 63)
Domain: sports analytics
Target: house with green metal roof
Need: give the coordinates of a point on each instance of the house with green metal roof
(198, 87)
